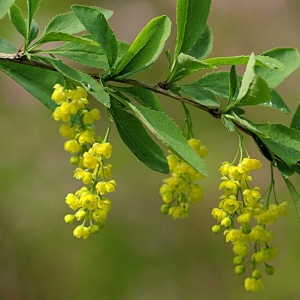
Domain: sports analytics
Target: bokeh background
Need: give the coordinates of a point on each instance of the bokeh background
(140, 254)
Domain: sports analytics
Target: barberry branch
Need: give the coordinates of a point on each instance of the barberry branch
(159, 88)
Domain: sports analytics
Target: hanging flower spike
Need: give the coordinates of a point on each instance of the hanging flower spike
(244, 217)
(89, 154)
(180, 190)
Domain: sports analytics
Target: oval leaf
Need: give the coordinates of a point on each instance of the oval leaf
(203, 46)
(191, 16)
(164, 128)
(138, 140)
(17, 19)
(89, 55)
(95, 22)
(145, 48)
(37, 81)
(202, 96)
(288, 56)
(283, 141)
(254, 90)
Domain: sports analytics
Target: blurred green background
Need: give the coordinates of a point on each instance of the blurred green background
(140, 254)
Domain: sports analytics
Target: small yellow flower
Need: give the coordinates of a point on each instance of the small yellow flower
(77, 94)
(59, 94)
(100, 215)
(251, 164)
(224, 168)
(67, 131)
(253, 284)
(218, 214)
(90, 116)
(179, 212)
(240, 249)
(72, 146)
(86, 136)
(166, 193)
(104, 149)
(89, 160)
(233, 235)
(72, 201)
(230, 187)
(231, 205)
(106, 187)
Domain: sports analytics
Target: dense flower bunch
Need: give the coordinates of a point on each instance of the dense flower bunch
(89, 152)
(179, 190)
(243, 216)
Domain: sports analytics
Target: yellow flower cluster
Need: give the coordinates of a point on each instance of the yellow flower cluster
(89, 154)
(243, 217)
(179, 190)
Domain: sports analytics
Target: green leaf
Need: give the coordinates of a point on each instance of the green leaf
(191, 17)
(145, 48)
(90, 11)
(254, 90)
(37, 81)
(283, 141)
(136, 138)
(7, 47)
(187, 65)
(17, 19)
(89, 55)
(63, 26)
(33, 32)
(32, 6)
(95, 89)
(203, 45)
(228, 123)
(296, 119)
(289, 57)
(248, 125)
(201, 96)
(60, 36)
(276, 102)
(164, 128)
(4, 7)
(260, 60)
(284, 169)
(65, 23)
(94, 21)
(217, 83)
(266, 152)
(233, 82)
(294, 193)
(145, 97)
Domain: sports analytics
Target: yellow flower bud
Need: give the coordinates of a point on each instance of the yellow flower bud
(226, 222)
(239, 269)
(253, 284)
(69, 219)
(256, 274)
(80, 215)
(72, 146)
(216, 229)
(94, 228)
